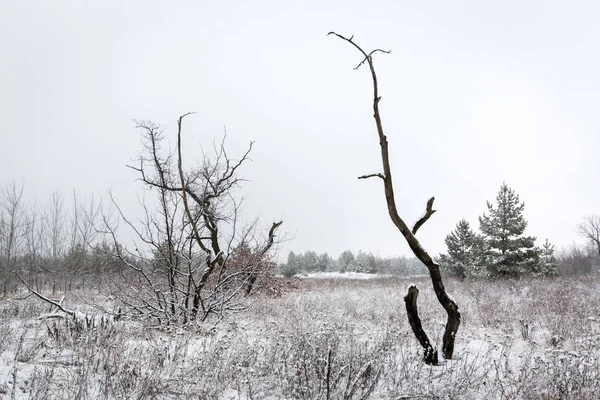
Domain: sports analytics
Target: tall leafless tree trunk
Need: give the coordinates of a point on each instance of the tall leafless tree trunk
(33, 242)
(54, 220)
(453, 321)
(12, 229)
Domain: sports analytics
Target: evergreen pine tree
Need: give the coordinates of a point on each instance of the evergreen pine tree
(346, 261)
(510, 252)
(365, 262)
(292, 267)
(465, 251)
(324, 263)
(548, 264)
(310, 261)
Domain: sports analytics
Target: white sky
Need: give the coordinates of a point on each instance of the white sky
(474, 94)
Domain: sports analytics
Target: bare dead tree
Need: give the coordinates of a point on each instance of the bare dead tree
(191, 260)
(55, 220)
(453, 321)
(32, 243)
(590, 230)
(12, 230)
(89, 211)
(82, 261)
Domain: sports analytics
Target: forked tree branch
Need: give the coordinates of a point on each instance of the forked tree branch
(367, 56)
(222, 185)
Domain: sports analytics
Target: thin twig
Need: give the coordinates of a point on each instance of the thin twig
(377, 175)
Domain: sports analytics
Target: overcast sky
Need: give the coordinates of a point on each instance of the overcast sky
(474, 94)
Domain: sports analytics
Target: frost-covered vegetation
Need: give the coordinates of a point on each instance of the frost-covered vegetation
(328, 338)
(191, 308)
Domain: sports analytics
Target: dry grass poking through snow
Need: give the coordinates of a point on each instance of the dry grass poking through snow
(337, 339)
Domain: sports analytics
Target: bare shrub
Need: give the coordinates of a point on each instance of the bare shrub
(576, 260)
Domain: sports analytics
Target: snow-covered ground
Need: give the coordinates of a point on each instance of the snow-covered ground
(343, 275)
(349, 338)
(351, 275)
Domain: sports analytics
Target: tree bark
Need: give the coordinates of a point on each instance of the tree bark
(430, 355)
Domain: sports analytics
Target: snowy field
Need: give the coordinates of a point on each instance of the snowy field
(343, 275)
(327, 339)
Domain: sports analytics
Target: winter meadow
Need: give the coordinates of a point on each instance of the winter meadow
(184, 264)
(197, 307)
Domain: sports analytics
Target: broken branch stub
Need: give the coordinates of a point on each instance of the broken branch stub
(449, 305)
(429, 211)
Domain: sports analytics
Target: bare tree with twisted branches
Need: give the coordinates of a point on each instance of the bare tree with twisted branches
(193, 257)
(453, 321)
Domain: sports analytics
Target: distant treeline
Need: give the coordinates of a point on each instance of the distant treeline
(311, 262)
(572, 261)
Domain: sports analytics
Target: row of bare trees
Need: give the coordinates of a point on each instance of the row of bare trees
(56, 238)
